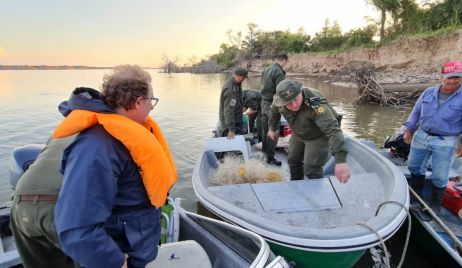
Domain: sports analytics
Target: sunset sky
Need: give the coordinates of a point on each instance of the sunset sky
(111, 32)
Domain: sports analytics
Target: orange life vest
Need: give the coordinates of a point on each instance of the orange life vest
(146, 144)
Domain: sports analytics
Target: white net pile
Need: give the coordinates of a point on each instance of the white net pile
(233, 170)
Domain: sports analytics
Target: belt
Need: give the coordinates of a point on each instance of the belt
(38, 198)
(432, 134)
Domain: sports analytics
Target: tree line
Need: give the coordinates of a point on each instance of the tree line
(398, 18)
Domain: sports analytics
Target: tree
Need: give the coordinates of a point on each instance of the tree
(329, 38)
(169, 64)
(384, 6)
(226, 56)
(360, 37)
(252, 34)
(234, 39)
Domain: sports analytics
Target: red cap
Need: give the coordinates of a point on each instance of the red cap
(452, 69)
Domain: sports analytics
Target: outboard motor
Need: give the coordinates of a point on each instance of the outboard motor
(20, 160)
(398, 149)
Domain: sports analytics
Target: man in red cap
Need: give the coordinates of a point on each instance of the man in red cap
(434, 126)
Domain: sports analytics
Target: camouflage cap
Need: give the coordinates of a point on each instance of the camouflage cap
(241, 71)
(286, 91)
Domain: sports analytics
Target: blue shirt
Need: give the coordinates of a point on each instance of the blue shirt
(444, 119)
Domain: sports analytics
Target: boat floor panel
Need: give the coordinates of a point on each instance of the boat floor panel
(292, 196)
(329, 203)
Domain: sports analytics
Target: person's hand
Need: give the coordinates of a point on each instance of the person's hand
(249, 111)
(125, 265)
(459, 151)
(407, 136)
(272, 134)
(231, 135)
(342, 173)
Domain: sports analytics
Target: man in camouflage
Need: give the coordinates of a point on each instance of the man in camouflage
(315, 127)
(231, 104)
(270, 78)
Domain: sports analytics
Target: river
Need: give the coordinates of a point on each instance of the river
(187, 112)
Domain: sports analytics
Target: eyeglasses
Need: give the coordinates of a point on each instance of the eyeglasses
(153, 100)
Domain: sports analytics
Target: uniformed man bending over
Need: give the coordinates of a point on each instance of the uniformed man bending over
(252, 105)
(231, 104)
(315, 127)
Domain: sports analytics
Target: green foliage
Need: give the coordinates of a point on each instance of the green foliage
(402, 18)
(443, 14)
(329, 38)
(268, 44)
(360, 37)
(410, 18)
(226, 56)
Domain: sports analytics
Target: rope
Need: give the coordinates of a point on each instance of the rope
(387, 254)
(408, 234)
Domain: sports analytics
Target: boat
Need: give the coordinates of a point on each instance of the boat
(440, 236)
(311, 222)
(188, 239)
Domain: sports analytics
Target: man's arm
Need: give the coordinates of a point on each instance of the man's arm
(328, 124)
(229, 102)
(273, 122)
(85, 203)
(414, 116)
(326, 121)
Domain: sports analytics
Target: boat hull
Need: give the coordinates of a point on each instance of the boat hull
(431, 246)
(303, 258)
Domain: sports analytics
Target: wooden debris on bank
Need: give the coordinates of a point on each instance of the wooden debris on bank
(370, 90)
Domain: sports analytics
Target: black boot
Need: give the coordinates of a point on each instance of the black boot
(417, 183)
(273, 161)
(436, 199)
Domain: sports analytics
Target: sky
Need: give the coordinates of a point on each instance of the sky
(112, 32)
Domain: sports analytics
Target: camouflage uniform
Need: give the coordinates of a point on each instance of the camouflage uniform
(315, 127)
(271, 77)
(231, 107)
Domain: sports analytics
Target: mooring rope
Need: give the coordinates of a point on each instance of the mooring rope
(382, 242)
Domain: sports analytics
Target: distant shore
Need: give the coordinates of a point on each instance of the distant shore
(59, 67)
(47, 67)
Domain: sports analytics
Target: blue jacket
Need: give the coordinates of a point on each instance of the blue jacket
(445, 120)
(103, 210)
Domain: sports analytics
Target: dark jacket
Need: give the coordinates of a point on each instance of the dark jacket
(103, 210)
(270, 78)
(231, 105)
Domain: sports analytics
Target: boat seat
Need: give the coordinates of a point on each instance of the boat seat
(181, 254)
(223, 144)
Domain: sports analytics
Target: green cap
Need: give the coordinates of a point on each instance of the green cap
(241, 71)
(286, 91)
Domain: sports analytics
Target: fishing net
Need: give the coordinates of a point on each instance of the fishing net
(233, 170)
